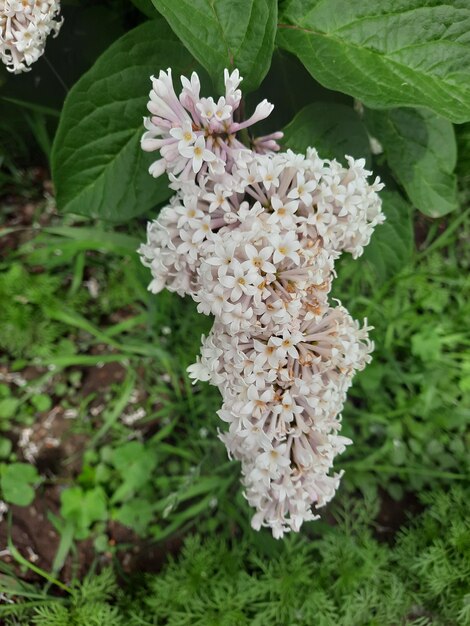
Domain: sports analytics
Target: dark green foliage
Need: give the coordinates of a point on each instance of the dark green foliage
(90, 604)
(436, 555)
(334, 130)
(106, 175)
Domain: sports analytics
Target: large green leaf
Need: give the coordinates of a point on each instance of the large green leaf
(391, 246)
(421, 150)
(333, 129)
(98, 166)
(385, 53)
(226, 34)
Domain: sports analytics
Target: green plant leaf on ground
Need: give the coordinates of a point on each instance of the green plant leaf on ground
(8, 407)
(135, 465)
(137, 514)
(421, 150)
(391, 246)
(41, 402)
(83, 508)
(386, 55)
(333, 129)
(98, 166)
(16, 482)
(226, 34)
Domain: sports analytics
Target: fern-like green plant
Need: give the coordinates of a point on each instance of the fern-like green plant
(343, 577)
(26, 329)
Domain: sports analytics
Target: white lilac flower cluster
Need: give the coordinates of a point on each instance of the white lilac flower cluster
(24, 27)
(252, 236)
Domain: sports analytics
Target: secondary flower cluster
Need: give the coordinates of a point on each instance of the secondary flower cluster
(252, 236)
(198, 135)
(24, 27)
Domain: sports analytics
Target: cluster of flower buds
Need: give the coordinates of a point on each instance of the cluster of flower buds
(198, 136)
(252, 235)
(24, 27)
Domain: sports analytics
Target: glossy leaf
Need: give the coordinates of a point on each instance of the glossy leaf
(226, 34)
(98, 166)
(420, 149)
(386, 54)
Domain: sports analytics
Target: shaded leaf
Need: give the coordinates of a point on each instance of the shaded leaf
(421, 151)
(146, 7)
(333, 129)
(290, 88)
(463, 141)
(98, 166)
(391, 246)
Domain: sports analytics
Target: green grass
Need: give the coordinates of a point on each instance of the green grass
(408, 412)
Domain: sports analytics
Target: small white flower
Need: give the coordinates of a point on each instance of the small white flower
(218, 198)
(269, 174)
(285, 247)
(202, 228)
(285, 345)
(257, 402)
(258, 259)
(198, 153)
(240, 281)
(222, 111)
(303, 190)
(267, 353)
(222, 256)
(283, 212)
(274, 460)
(184, 134)
(206, 108)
